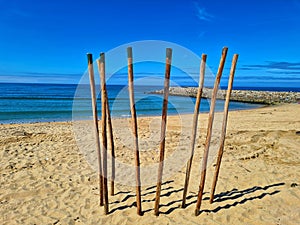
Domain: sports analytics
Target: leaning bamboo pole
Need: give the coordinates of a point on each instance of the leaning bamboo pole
(101, 66)
(134, 131)
(163, 129)
(112, 148)
(194, 129)
(224, 125)
(95, 120)
(209, 130)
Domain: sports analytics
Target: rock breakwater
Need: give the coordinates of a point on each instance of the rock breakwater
(249, 96)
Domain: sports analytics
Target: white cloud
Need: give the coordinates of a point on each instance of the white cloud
(202, 14)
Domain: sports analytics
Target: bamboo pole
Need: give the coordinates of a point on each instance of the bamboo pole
(209, 130)
(101, 66)
(95, 118)
(224, 125)
(134, 131)
(112, 148)
(163, 129)
(194, 129)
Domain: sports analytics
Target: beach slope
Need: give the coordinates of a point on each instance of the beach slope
(45, 178)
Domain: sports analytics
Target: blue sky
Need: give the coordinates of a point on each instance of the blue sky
(47, 41)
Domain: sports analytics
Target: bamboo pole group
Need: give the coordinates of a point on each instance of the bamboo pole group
(105, 120)
(106, 124)
(224, 126)
(209, 129)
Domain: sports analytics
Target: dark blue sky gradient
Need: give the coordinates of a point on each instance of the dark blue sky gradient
(47, 41)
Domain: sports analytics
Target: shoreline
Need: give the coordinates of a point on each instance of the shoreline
(139, 116)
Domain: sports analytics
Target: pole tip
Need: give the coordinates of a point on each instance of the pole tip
(102, 57)
(169, 53)
(90, 58)
(197, 212)
(225, 49)
(129, 52)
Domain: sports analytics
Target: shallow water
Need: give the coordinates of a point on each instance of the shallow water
(66, 102)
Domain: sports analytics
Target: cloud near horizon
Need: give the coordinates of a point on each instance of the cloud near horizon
(38, 77)
(274, 65)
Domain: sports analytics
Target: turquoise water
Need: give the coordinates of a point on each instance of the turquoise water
(66, 102)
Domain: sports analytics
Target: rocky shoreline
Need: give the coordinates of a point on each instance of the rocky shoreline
(260, 97)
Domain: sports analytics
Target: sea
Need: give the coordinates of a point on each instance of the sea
(27, 103)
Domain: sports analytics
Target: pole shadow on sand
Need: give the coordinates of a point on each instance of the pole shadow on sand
(239, 195)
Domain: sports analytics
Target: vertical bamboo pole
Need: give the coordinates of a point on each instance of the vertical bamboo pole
(209, 130)
(194, 129)
(134, 131)
(224, 125)
(112, 148)
(95, 117)
(101, 66)
(163, 128)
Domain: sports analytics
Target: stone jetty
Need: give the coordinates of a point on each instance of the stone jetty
(260, 97)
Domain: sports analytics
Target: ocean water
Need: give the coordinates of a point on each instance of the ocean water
(65, 102)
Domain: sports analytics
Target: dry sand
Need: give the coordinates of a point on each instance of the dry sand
(45, 178)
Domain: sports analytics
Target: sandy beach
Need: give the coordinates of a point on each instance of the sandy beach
(46, 178)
